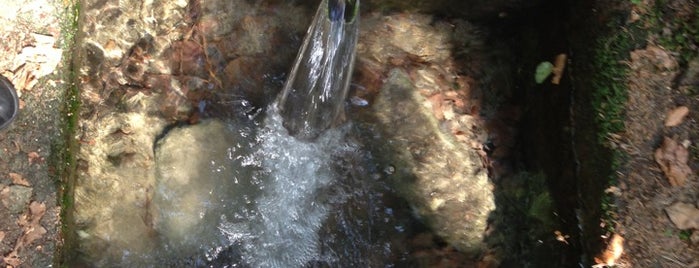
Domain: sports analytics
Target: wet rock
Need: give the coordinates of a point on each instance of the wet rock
(16, 198)
(245, 78)
(442, 179)
(192, 170)
(684, 216)
(114, 186)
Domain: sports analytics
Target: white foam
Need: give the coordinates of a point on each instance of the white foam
(283, 229)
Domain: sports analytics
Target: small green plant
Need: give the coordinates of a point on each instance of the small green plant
(684, 37)
(685, 235)
(543, 71)
(609, 95)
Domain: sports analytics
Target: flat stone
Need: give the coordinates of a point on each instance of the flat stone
(16, 198)
(684, 216)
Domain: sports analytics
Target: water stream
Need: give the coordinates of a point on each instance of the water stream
(315, 91)
(287, 186)
(282, 230)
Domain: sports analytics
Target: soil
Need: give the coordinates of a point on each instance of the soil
(31, 58)
(659, 78)
(659, 81)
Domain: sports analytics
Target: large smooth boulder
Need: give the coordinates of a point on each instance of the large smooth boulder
(443, 180)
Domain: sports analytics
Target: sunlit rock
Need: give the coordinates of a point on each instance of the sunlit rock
(115, 179)
(443, 180)
(423, 120)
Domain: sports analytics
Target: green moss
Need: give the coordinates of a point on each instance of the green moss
(540, 208)
(685, 235)
(684, 31)
(63, 150)
(526, 221)
(610, 93)
(608, 98)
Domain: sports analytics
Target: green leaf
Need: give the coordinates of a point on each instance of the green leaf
(543, 70)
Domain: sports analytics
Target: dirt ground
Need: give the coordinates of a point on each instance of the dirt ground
(658, 187)
(30, 57)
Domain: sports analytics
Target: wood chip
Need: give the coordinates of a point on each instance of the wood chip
(676, 116)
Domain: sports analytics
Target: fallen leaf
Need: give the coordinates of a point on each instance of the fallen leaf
(33, 230)
(561, 237)
(2, 236)
(613, 190)
(19, 180)
(676, 116)
(612, 253)
(634, 16)
(672, 158)
(559, 66)
(35, 158)
(653, 55)
(12, 259)
(5, 195)
(543, 70)
(684, 216)
(435, 101)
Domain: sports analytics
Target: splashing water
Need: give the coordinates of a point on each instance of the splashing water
(280, 193)
(282, 230)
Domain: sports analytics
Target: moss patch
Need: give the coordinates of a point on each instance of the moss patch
(63, 159)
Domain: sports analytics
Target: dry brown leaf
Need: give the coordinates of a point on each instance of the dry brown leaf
(613, 252)
(676, 116)
(653, 55)
(17, 179)
(32, 231)
(436, 102)
(559, 66)
(34, 158)
(4, 195)
(684, 216)
(33, 234)
(672, 158)
(2, 236)
(12, 259)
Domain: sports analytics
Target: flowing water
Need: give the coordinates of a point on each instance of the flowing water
(299, 178)
(252, 190)
(315, 91)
